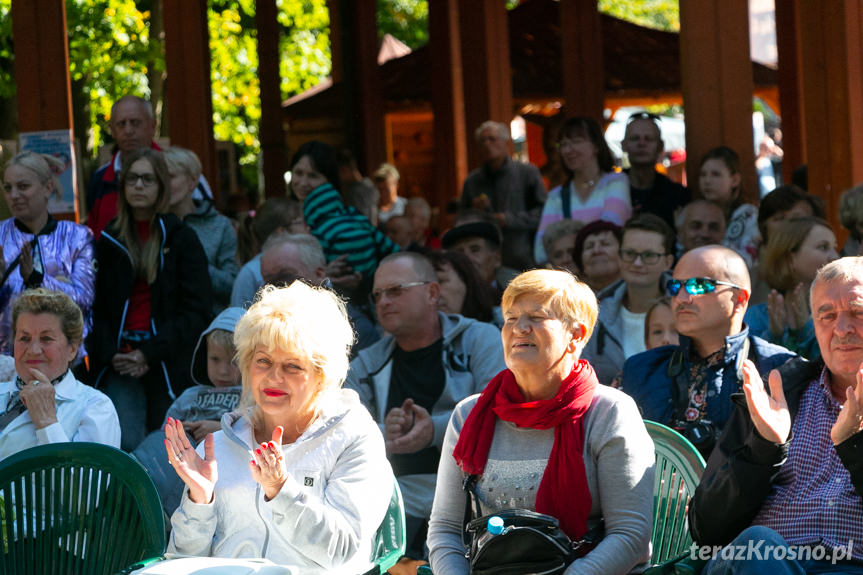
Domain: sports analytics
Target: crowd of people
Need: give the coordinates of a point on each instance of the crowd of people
(276, 375)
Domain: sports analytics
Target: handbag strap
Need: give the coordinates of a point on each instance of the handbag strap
(469, 487)
(566, 201)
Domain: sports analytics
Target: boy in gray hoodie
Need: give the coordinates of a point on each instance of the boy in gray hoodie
(200, 408)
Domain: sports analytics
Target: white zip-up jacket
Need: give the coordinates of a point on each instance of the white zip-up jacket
(325, 517)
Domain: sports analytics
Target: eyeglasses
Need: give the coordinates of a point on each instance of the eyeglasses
(132, 179)
(696, 286)
(648, 258)
(395, 291)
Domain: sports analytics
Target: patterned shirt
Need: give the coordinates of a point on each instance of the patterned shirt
(701, 372)
(813, 500)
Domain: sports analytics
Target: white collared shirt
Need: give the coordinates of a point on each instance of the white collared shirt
(83, 414)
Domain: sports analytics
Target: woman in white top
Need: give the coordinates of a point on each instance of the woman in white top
(44, 403)
(592, 190)
(298, 475)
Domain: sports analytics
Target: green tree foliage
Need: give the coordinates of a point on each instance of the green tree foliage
(660, 14)
(304, 45)
(110, 53)
(407, 20)
(7, 80)
(234, 72)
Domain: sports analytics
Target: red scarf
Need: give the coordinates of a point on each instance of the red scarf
(563, 491)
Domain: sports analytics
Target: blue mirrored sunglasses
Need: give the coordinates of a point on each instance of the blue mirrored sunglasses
(696, 286)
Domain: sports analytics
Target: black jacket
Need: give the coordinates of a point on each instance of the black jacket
(742, 468)
(180, 302)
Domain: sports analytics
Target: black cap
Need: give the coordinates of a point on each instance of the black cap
(486, 230)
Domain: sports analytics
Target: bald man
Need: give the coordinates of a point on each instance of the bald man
(689, 386)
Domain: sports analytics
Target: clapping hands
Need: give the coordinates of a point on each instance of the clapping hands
(850, 420)
(268, 465)
(408, 428)
(200, 475)
(769, 413)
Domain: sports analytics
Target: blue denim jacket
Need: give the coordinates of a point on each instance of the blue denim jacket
(646, 376)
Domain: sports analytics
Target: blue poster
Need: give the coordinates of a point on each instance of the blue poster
(57, 143)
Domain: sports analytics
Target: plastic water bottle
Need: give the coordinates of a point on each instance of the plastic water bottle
(493, 529)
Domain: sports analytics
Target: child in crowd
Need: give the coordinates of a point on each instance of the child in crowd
(659, 328)
(200, 407)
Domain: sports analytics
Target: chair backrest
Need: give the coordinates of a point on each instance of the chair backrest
(77, 508)
(678, 470)
(390, 539)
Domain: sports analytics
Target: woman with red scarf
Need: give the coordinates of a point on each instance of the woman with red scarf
(546, 436)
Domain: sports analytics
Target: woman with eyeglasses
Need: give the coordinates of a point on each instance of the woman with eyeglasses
(153, 299)
(592, 190)
(545, 436)
(721, 181)
(35, 249)
(794, 252)
(646, 255)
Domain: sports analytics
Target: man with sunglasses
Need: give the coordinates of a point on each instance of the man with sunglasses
(787, 474)
(646, 249)
(650, 191)
(689, 386)
(413, 378)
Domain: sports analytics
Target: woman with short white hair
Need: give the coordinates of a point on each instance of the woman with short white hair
(298, 475)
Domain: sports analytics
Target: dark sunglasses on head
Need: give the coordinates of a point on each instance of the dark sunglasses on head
(696, 286)
(644, 116)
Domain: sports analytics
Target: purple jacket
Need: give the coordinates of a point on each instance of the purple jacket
(67, 262)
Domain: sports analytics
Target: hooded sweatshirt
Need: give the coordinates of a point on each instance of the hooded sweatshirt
(326, 515)
(200, 402)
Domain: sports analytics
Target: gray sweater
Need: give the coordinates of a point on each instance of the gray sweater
(220, 244)
(618, 457)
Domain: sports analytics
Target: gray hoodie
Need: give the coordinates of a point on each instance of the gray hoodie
(472, 356)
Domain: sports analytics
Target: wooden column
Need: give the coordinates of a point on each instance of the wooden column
(189, 99)
(833, 90)
(364, 111)
(450, 143)
(41, 68)
(582, 65)
(270, 131)
(42, 65)
(716, 77)
(486, 68)
(790, 80)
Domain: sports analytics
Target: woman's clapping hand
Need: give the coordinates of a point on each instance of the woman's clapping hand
(200, 475)
(268, 465)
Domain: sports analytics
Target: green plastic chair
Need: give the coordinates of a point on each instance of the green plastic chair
(678, 470)
(77, 508)
(391, 539)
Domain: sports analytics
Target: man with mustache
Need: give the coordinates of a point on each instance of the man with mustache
(788, 470)
(689, 386)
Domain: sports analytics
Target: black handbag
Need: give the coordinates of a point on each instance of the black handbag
(531, 543)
